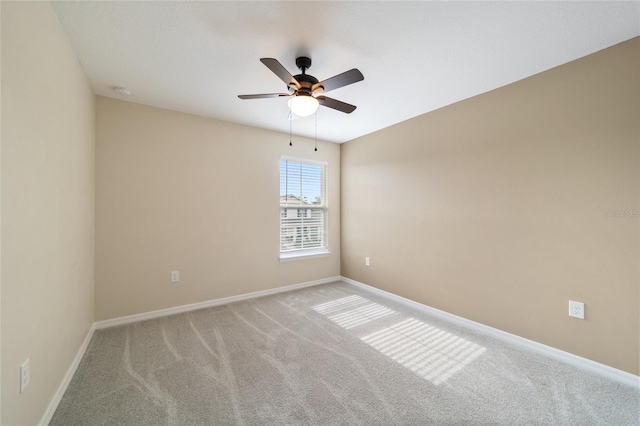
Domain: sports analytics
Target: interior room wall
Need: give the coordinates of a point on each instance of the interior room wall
(503, 207)
(48, 188)
(200, 196)
(0, 217)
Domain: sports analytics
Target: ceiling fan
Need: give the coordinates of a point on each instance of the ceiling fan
(305, 92)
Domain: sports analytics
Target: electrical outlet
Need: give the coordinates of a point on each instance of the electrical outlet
(366, 261)
(25, 375)
(175, 276)
(576, 309)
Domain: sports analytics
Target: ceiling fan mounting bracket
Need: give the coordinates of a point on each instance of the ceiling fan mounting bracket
(303, 63)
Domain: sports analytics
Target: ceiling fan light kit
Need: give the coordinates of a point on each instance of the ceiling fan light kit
(305, 91)
(303, 105)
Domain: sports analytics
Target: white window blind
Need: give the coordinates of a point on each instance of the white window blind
(303, 207)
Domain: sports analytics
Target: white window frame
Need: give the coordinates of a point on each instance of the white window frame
(308, 253)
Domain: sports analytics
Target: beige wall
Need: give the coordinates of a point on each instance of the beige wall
(181, 192)
(48, 187)
(0, 217)
(494, 208)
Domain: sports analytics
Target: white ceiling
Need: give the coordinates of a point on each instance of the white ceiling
(196, 57)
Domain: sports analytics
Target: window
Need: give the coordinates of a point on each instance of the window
(302, 188)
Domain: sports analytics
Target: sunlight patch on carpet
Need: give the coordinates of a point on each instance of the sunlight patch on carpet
(428, 351)
(352, 311)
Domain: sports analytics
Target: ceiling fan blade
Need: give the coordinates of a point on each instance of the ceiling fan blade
(264, 96)
(340, 80)
(277, 68)
(335, 104)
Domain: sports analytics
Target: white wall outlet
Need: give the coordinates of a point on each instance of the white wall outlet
(367, 262)
(25, 375)
(175, 276)
(576, 309)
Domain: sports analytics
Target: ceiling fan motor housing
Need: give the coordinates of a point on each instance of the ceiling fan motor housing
(306, 81)
(306, 84)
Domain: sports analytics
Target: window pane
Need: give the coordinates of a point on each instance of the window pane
(301, 183)
(303, 213)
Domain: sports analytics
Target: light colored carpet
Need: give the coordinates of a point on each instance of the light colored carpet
(327, 355)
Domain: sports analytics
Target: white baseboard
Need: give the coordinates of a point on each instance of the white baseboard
(207, 304)
(575, 360)
(57, 397)
(551, 352)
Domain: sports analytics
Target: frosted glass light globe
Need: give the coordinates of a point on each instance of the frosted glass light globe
(303, 105)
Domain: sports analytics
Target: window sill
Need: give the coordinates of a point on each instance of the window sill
(299, 255)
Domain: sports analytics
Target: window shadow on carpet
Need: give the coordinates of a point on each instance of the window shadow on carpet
(428, 351)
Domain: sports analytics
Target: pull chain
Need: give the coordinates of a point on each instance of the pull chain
(316, 132)
(290, 143)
